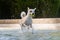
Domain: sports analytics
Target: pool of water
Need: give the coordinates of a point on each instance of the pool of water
(37, 35)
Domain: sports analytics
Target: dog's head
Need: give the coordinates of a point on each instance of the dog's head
(31, 11)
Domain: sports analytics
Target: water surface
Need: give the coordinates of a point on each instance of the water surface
(38, 35)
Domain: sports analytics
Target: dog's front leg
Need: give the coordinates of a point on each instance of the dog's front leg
(32, 28)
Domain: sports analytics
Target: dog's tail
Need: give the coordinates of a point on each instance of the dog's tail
(23, 14)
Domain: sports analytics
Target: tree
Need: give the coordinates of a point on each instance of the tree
(44, 8)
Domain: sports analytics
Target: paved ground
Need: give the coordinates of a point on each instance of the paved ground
(42, 23)
(35, 26)
(38, 20)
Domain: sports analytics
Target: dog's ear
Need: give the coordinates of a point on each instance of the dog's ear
(35, 8)
(28, 7)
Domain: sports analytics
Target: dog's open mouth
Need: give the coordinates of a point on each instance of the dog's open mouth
(32, 15)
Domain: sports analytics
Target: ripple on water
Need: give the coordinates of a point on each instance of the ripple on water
(38, 35)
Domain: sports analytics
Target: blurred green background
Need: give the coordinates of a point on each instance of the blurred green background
(11, 9)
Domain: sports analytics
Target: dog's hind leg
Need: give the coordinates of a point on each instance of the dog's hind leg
(22, 26)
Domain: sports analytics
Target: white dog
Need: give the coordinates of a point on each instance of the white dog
(26, 20)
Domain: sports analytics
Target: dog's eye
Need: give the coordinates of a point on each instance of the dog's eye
(30, 11)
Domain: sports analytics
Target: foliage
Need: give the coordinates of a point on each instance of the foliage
(44, 8)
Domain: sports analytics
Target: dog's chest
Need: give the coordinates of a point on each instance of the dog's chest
(28, 20)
